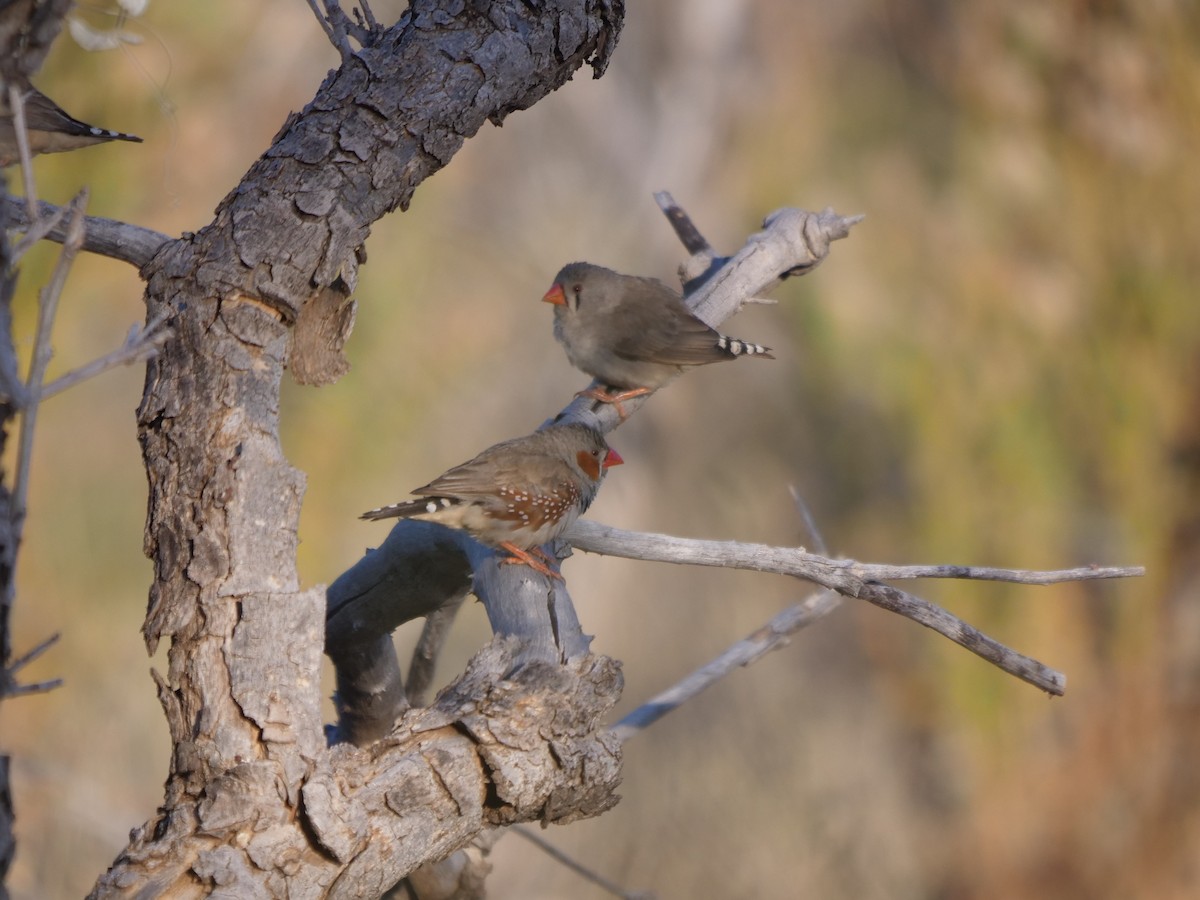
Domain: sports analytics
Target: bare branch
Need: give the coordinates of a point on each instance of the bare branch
(8, 678)
(336, 36)
(41, 227)
(846, 576)
(339, 27)
(950, 626)
(21, 132)
(852, 579)
(577, 867)
(142, 343)
(42, 353)
(689, 235)
(772, 636)
(106, 237)
(38, 687)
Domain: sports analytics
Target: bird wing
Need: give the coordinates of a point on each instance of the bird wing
(660, 328)
(497, 466)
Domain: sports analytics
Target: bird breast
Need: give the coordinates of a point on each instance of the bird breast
(589, 352)
(526, 517)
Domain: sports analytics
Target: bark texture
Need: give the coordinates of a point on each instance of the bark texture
(256, 805)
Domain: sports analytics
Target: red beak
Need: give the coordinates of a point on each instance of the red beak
(613, 459)
(555, 295)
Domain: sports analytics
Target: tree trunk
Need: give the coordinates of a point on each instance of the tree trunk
(256, 804)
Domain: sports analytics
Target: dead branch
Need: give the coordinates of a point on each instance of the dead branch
(605, 884)
(775, 635)
(863, 581)
(42, 353)
(142, 342)
(106, 237)
(9, 687)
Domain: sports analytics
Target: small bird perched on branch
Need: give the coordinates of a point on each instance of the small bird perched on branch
(518, 494)
(632, 333)
(50, 128)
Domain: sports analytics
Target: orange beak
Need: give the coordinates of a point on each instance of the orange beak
(555, 295)
(613, 459)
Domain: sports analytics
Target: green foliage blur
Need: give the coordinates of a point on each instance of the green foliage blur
(999, 367)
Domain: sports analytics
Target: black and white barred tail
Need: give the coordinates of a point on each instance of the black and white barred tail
(410, 508)
(736, 348)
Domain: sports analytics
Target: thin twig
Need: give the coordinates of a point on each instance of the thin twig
(852, 579)
(368, 16)
(38, 687)
(338, 40)
(772, 636)
(9, 686)
(578, 868)
(140, 344)
(809, 520)
(30, 655)
(950, 626)
(42, 352)
(39, 228)
(17, 104)
(359, 27)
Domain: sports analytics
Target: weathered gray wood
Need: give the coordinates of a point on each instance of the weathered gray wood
(498, 746)
(255, 804)
(370, 693)
(107, 237)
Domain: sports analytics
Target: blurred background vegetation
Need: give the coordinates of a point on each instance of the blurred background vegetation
(999, 367)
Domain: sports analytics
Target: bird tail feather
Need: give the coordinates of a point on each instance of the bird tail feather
(736, 347)
(410, 508)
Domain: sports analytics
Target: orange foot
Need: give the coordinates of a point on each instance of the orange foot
(615, 399)
(535, 559)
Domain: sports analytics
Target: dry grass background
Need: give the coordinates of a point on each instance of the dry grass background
(999, 367)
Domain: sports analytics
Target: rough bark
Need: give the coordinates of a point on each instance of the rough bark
(256, 805)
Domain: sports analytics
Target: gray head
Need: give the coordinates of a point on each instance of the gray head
(581, 286)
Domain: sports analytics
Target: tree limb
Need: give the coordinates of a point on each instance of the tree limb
(472, 761)
(850, 578)
(106, 237)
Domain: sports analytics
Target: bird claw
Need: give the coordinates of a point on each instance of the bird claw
(602, 396)
(532, 558)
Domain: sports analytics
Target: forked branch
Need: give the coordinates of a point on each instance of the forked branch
(850, 578)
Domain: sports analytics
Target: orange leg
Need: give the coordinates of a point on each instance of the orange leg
(529, 558)
(615, 399)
